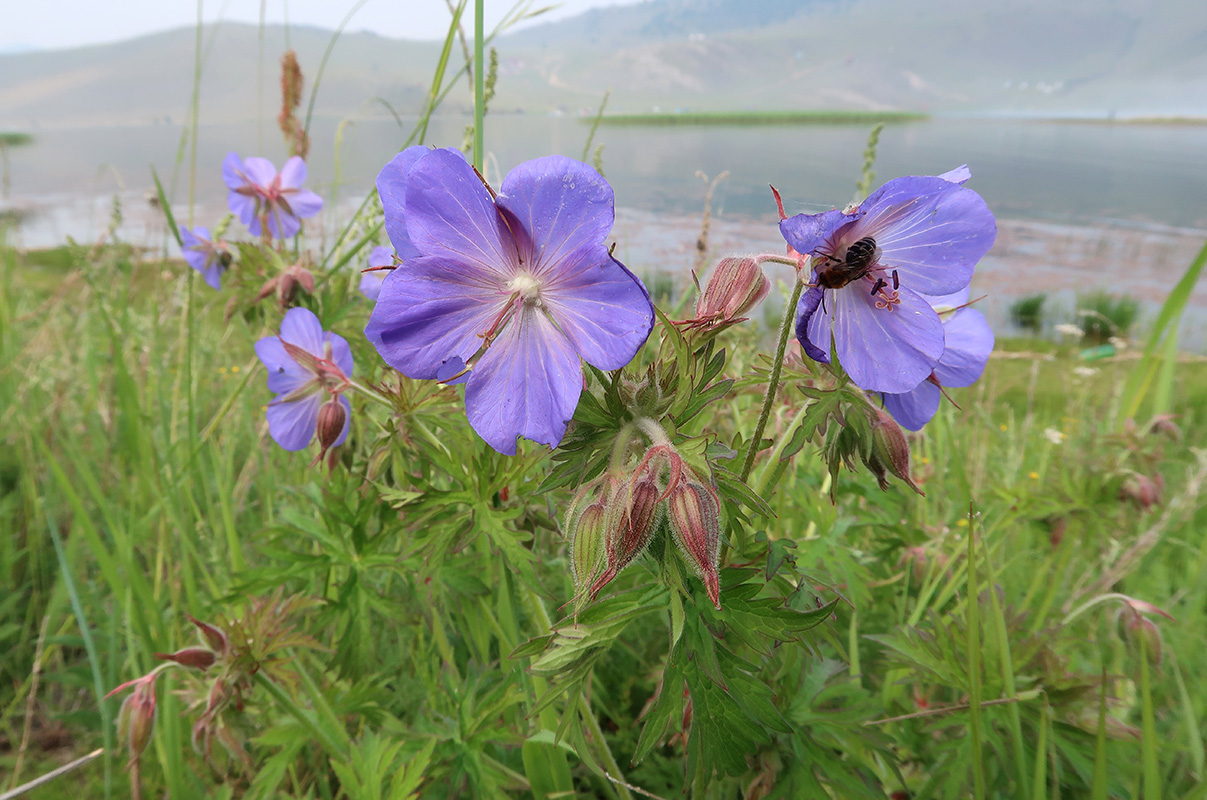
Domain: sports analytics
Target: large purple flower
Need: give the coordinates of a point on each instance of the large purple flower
(370, 282)
(507, 292)
(307, 369)
(968, 343)
(209, 257)
(872, 265)
(261, 196)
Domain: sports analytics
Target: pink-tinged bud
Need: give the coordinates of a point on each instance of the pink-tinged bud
(695, 516)
(302, 276)
(1139, 632)
(214, 636)
(269, 287)
(1143, 491)
(736, 286)
(1164, 424)
(332, 417)
(136, 719)
(630, 519)
(890, 451)
(201, 658)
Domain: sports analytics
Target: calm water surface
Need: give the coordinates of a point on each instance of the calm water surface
(1079, 174)
(1081, 207)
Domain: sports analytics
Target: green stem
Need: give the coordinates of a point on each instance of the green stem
(974, 666)
(760, 483)
(606, 752)
(777, 366)
(307, 719)
(372, 394)
(479, 84)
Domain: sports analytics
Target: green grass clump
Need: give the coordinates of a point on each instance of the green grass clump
(1102, 316)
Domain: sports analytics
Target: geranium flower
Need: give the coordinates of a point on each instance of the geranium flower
(308, 368)
(370, 282)
(505, 293)
(968, 343)
(263, 197)
(210, 258)
(872, 265)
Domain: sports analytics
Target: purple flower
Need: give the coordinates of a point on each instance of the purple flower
(261, 196)
(968, 343)
(505, 293)
(370, 282)
(209, 257)
(306, 366)
(872, 265)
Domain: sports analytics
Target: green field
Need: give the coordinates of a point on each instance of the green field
(137, 485)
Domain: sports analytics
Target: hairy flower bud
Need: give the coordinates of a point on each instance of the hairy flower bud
(695, 517)
(587, 535)
(890, 451)
(201, 658)
(630, 519)
(736, 286)
(332, 417)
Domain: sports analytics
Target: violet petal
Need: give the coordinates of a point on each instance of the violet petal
(292, 424)
(969, 341)
(885, 350)
(449, 214)
(915, 408)
(601, 307)
(527, 384)
(557, 206)
(431, 309)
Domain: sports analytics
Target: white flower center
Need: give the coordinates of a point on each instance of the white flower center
(527, 287)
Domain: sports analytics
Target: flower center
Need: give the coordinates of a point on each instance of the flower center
(527, 288)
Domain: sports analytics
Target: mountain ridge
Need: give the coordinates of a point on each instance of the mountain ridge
(1019, 57)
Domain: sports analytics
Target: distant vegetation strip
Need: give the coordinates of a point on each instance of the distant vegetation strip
(1131, 120)
(816, 117)
(11, 139)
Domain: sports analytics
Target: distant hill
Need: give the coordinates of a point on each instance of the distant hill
(1076, 57)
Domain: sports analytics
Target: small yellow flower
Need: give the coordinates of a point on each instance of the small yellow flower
(962, 522)
(1003, 427)
(234, 369)
(1033, 476)
(221, 370)
(924, 460)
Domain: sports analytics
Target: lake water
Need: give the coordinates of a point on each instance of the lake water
(1083, 207)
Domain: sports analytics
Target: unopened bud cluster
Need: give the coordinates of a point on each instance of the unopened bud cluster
(872, 436)
(613, 519)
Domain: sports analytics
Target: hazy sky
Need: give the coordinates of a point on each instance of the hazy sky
(71, 23)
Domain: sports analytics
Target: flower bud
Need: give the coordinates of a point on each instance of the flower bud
(1139, 632)
(890, 451)
(1164, 424)
(201, 658)
(588, 548)
(736, 286)
(332, 417)
(214, 636)
(136, 719)
(695, 517)
(630, 519)
(1143, 491)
